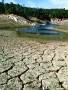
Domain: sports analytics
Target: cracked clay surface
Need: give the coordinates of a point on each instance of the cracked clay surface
(29, 65)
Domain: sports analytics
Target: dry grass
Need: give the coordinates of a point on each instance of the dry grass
(9, 23)
(4, 23)
(63, 27)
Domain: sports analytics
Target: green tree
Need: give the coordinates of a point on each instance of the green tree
(2, 10)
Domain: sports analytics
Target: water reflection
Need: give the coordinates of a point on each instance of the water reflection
(41, 29)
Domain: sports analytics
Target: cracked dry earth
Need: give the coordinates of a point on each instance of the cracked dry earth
(29, 65)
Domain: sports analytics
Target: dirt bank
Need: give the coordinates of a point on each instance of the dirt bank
(11, 21)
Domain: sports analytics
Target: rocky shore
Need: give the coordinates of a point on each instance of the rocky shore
(29, 65)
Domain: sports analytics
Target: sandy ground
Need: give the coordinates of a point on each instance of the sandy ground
(29, 65)
(62, 30)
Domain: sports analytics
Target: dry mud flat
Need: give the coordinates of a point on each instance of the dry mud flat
(28, 65)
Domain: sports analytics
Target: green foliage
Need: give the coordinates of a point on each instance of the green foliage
(33, 12)
(2, 10)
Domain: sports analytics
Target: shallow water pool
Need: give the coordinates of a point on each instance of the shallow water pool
(41, 29)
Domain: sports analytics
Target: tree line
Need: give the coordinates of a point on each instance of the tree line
(27, 12)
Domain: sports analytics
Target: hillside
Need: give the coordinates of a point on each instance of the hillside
(13, 21)
(10, 21)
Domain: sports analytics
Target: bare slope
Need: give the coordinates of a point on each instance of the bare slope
(8, 21)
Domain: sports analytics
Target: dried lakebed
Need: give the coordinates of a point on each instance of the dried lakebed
(29, 65)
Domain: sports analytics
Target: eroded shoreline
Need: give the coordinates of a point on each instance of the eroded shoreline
(29, 65)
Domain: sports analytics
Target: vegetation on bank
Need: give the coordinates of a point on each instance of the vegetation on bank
(27, 12)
